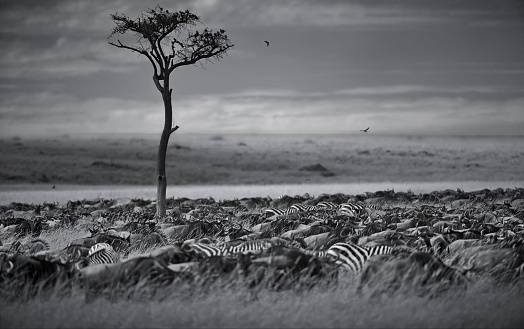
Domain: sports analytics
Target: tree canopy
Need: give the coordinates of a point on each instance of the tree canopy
(168, 40)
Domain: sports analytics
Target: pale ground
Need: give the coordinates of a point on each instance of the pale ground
(42, 194)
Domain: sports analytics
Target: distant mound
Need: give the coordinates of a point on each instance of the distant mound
(318, 168)
(103, 164)
(181, 147)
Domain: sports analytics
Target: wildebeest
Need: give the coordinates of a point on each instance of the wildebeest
(499, 263)
(421, 273)
(170, 254)
(119, 244)
(32, 270)
(144, 270)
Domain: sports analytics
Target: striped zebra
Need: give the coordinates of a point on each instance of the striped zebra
(373, 207)
(248, 247)
(316, 253)
(204, 250)
(354, 257)
(351, 209)
(327, 205)
(303, 208)
(280, 212)
(102, 253)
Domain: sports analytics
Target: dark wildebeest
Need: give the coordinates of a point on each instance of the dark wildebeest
(144, 270)
(32, 270)
(119, 244)
(421, 272)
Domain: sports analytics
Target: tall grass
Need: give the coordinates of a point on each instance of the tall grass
(482, 306)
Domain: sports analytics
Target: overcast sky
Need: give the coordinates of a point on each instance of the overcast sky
(399, 67)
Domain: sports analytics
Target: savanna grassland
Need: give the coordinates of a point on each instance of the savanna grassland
(260, 159)
(492, 219)
(401, 293)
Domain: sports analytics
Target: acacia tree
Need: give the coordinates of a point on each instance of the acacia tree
(169, 40)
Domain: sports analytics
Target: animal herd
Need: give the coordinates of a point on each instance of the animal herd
(386, 240)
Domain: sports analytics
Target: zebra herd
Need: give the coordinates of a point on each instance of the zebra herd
(349, 208)
(348, 255)
(292, 237)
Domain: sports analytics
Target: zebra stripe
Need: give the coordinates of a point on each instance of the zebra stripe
(102, 253)
(327, 205)
(248, 247)
(280, 212)
(373, 207)
(205, 250)
(303, 208)
(319, 253)
(354, 257)
(351, 209)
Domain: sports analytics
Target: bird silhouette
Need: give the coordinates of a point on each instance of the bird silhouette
(267, 43)
(53, 186)
(365, 130)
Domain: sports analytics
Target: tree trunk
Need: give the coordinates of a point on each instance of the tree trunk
(161, 202)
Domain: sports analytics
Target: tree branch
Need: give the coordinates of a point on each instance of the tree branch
(175, 128)
(140, 51)
(156, 80)
(195, 58)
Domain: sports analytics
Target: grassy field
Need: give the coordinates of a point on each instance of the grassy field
(234, 166)
(335, 307)
(261, 159)
(228, 303)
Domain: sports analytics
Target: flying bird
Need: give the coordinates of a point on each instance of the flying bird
(53, 186)
(365, 130)
(267, 43)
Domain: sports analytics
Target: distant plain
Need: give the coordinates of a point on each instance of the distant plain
(255, 165)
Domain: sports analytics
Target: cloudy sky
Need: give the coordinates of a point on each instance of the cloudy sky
(400, 67)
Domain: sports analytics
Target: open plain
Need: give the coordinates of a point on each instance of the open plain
(423, 195)
(382, 161)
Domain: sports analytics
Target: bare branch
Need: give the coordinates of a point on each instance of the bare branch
(156, 80)
(175, 128)
(141, 51)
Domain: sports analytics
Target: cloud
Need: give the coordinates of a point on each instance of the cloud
(48, 112)
(364, 14)
(393, 76)
(292, 112)
(64, 57)
(267, 111)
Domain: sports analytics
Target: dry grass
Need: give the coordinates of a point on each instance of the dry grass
(228, 303)
(338, 306)
(244, 159)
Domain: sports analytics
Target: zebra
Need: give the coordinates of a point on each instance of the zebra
(303, 208)
(353, 256)
(373, 207)
(102, 253)
(351, 209)
(204, 250)
(248, 247)
(316, 253)
(280, 212)
(327, 205)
